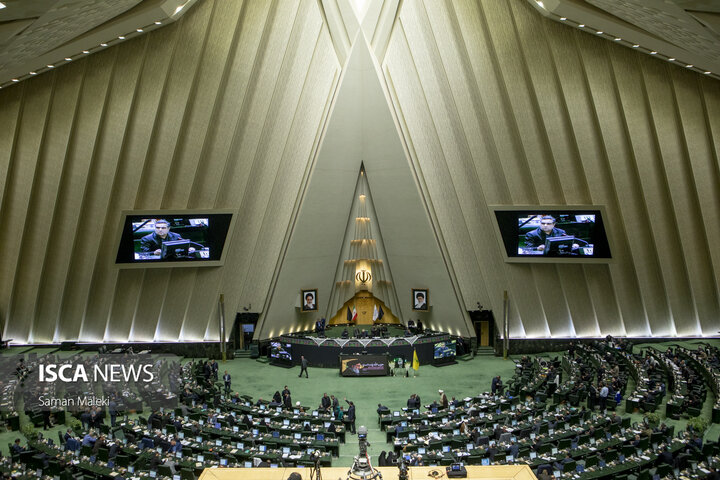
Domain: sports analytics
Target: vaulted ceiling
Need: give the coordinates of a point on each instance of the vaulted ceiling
(228, 108)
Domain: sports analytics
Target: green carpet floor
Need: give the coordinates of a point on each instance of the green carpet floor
(467, 378)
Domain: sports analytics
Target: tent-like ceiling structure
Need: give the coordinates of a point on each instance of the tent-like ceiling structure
(230, 107)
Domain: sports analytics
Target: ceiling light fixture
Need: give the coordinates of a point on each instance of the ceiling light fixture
(2, 5)
(618, 39)
(671, 59)
(51, 66)
(15, 80)
(121, 37)
(86, 51)
(582, 25)
(33, 73)
(707, 73)
(103, 44)
(636, 45)
(139, 30)
(68, 59)
(599, 32)
(689, 66)
(653, 52)
(563, 18)
(158, 23)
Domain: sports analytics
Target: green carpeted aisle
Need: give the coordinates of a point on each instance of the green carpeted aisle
(468, 377)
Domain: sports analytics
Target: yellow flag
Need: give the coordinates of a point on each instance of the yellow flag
(416, 362)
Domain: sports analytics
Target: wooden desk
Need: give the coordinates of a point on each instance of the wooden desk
(501, 472)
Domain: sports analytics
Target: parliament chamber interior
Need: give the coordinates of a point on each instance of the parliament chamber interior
(359, 239)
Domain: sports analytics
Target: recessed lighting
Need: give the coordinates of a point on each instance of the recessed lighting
(33, 73)
(582, 25)
(68, 59)
(563, 18)
(707, 73)
(15, 80)
(103, 44)
(121, 37)
(158, 23)
(618, 39)
(51, 66)
(671, 59)
(689, 65)
(653, 52)
(636, 45)
(139, 30)
(599, 32)
(86, 51)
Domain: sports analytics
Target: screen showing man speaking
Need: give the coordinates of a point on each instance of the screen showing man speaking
(173, 238)
(553, 234)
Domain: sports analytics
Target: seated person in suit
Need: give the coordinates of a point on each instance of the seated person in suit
(536, 238)
(153, 242)
(16, 448)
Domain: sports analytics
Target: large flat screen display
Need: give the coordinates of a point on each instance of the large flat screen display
(445, 349)
(173, 238)
(281, 351)
(566, 234)
(364, 365)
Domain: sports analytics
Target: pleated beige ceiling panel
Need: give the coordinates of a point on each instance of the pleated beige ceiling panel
(222, 109)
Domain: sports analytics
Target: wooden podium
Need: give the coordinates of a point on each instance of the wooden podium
(501, 472)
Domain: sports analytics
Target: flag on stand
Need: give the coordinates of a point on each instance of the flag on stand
(380, 313)
(349, 315)
(416, 362)
(354, 314)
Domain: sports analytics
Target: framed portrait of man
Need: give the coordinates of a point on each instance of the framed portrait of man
(420, 299)
(309, 300)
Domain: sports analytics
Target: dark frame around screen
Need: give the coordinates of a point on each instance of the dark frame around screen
(507, 232)
(219, 237)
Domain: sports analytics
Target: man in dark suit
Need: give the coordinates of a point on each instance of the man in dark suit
(351, 415)
(303, 366)
(496, 387)
(665, 457)
(325, 402)
(152, 243)
(536, 238)
(513, 450)
(227, 380)
(113, 409)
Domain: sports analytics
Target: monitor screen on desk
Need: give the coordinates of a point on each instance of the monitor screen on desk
(281, 351)
(445, 349)
(553, 234)
(173, 238)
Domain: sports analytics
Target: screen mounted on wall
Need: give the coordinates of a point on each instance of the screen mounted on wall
(163, 238)
(553, 234)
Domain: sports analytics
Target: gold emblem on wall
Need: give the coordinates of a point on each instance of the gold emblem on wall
(363, 276)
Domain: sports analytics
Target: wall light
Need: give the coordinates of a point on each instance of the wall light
(2, 5)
